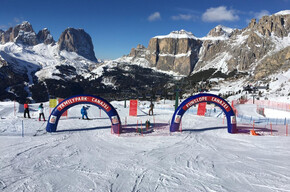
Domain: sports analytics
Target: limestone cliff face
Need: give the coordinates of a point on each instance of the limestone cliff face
(177, 52)
(78, 41)
(261, 48)
(251, 49)
(279, 61)
(278, 25)
(139, 51)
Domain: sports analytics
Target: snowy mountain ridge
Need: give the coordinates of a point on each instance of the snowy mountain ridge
(225, 49)
(258, 52)
(44, 57)
(177, 35)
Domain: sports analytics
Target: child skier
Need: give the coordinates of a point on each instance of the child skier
(40, 111)
(84, 112)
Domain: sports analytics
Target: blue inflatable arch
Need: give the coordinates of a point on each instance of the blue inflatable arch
(84, 99)
(200, 98)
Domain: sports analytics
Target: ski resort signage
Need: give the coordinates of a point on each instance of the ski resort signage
(201, 98)
(81, 99)
(213, 99)
(84, 99)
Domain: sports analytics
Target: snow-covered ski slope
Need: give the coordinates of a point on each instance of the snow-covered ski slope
(85, 156)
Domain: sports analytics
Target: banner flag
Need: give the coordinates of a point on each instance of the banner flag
(133, 107)
(201, 109)
(52, 103)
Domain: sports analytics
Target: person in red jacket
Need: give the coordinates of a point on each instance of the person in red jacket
(26, 109)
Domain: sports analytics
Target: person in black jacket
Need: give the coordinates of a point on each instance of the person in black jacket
(151, 108)
(26, 109)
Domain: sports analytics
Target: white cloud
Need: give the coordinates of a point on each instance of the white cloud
(154, 16)
(260, 14)
(185, 17)
(219, 14)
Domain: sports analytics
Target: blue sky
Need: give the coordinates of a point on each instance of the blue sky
(117, 26)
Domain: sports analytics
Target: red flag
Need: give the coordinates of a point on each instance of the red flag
(133, 107)
(201, 109)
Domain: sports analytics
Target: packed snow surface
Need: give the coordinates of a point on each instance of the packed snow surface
(84, 156)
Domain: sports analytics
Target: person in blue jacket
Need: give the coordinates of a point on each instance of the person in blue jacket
(84, 112)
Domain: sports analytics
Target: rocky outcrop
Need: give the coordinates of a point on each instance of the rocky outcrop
(278, 25)
(219, 31)
(261, 47)
(78, 41)
(5, 37)
(223, 48)
(45, 37)
(22, 33)
(139, 51)
(177, 52)
(72, 40)
(279, 61)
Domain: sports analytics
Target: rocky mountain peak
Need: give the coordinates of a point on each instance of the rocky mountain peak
(253, 23)
(45, 37)
(139, 51)
(22, 33)
(78, 41)
(277, 24)
(25, 26)
(220, 31)
(223, 48)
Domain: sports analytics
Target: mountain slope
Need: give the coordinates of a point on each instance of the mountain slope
(224, 49)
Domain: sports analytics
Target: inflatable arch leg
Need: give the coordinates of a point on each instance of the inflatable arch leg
(200, 98)
(84, 99)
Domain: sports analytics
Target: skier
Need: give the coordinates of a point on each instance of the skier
(26, 110)
(40, 111)
(151, 108)
(84, 112)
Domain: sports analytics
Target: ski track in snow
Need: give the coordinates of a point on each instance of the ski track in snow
(204, 157)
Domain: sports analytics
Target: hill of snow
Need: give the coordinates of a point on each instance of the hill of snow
(85, 156)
